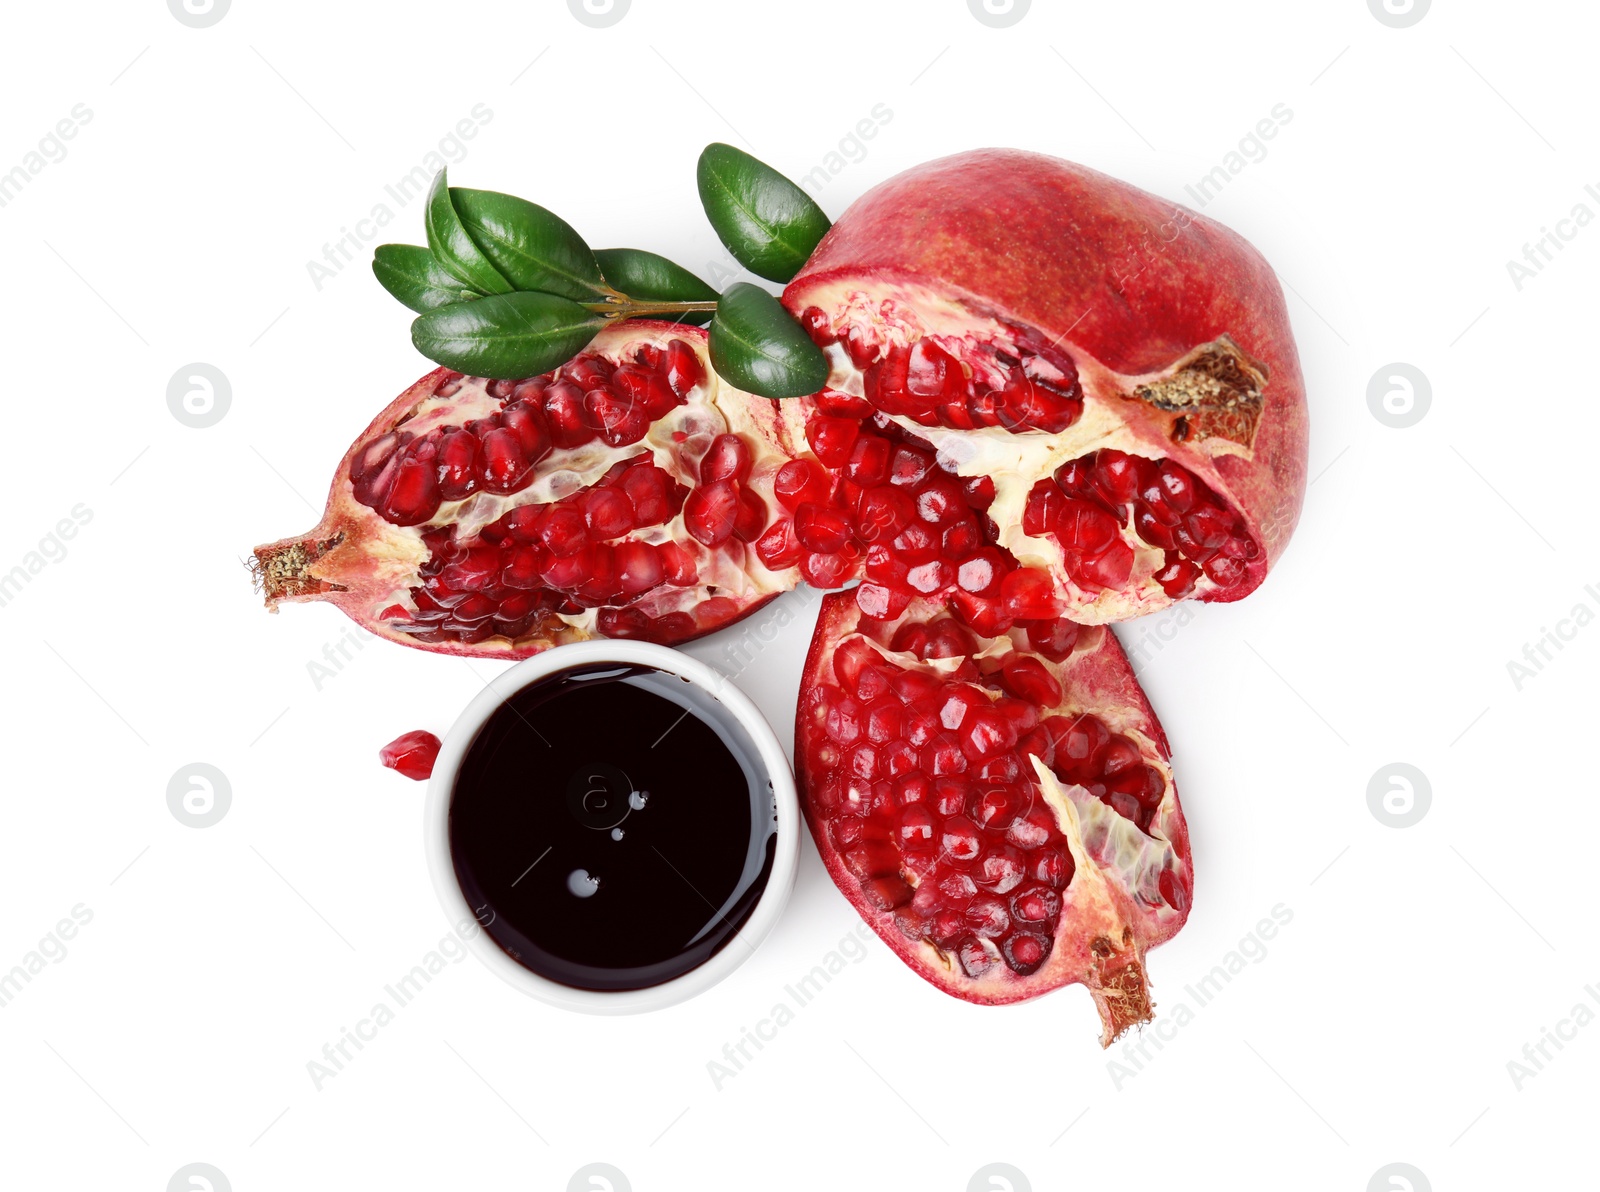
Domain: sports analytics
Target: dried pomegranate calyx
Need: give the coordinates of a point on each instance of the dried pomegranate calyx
(1215, 392)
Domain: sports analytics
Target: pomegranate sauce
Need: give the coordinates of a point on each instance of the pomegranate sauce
(611, 828)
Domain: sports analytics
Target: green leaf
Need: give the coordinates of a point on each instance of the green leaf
(453, 248)
(532, 248)
(409, 272)
(647, 276)
(506, 336)
(767, 222)
(757, 345)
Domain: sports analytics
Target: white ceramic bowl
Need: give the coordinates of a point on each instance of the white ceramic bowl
(725, 699)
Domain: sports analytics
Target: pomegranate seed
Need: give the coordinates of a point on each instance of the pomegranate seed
(639, 567)
(1025, 952)
(1176, 485)
(1029, 679)
(608, 513)
(564, 412)
(711, 513)
(728, 458)
(821, 529)
(800, 482)
(974, 958)
(869, 461)
(414, 496)
(824, 571)
(682, 368)
(458, 463)
(880, 602)
(779, 549)
(1108, 569)
(530, 430)
(1118, 476)
(909, 467)
(940, 501)
(832, 439)
(884, 511)
(1029, 595)
(411, 754)
(817, 326)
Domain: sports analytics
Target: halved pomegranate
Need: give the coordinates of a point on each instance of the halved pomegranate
(615, 496)
(1090, 396)
(1001, 809)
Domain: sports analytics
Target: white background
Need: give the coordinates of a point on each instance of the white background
(1419, 961)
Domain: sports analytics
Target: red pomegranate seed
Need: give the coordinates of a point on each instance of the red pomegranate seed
(411, 754)
(639, 567)
(752, 517)
(506, 467)
(779, 549)
(832, 439)
(711, 512)
(728, 458)
(821, 529)
(822, 570)
(607, 513)
(1029, 679)
(414, 495)
(530, 430)
(800, 482)
(1029, 595)
(869, 461)
(682, 368)
(458, 463)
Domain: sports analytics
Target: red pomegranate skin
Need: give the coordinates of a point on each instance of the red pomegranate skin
(1112, 273)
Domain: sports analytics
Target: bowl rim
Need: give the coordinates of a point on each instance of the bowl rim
(742, 710)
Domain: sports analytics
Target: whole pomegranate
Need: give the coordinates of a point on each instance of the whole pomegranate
(1051, 393)
(999, 810)
(612, 497)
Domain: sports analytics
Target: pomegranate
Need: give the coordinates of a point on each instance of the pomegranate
(618, 495)
(412, 754)
(999, 809)
(1050, 394)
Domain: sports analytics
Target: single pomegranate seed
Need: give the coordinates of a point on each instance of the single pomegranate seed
(818, 326)
(728, 458)
(411, 754)
(414, 495)
(607, 513)
(800, 482)
(881, 602)
(711, 513)
(682, 368)
(458, 464)
(908, 467)
(1029, 679)
(821, 529)
(869, 461)
(822, 570)
(564, 413)
(884, 511)
(832, 439)
(530, 430)
(1029, 595)
(1110, 568)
